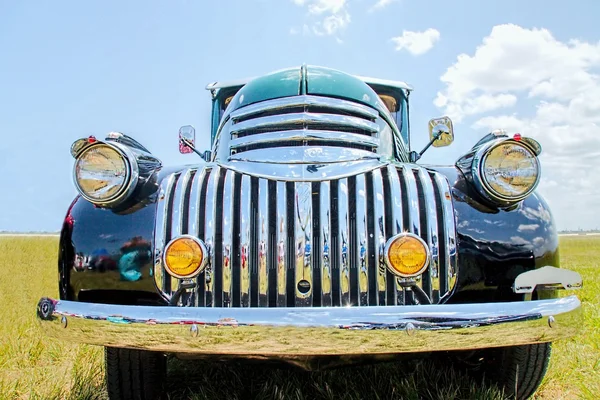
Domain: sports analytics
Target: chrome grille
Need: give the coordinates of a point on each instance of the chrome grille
(303, 121)
(293, 244)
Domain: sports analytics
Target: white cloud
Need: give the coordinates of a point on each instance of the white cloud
(557, 88)
(326, 17)
(381, 4)
(417, 42)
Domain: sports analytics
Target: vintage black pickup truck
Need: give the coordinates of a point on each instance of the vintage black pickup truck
(310, 233)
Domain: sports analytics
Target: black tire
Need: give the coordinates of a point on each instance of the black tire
(134, 374)
(517, 370)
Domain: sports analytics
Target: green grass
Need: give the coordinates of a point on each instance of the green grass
(36, 367)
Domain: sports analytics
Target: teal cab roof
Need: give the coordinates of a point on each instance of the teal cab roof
(308, 80)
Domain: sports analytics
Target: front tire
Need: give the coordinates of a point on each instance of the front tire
(517, 370)
(134, 374)
(520, 369)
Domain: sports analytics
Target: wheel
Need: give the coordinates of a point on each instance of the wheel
(134, 374)
(518, 370)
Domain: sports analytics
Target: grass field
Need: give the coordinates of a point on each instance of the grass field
(33, 366)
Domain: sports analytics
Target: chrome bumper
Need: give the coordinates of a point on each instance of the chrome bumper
(304, 331)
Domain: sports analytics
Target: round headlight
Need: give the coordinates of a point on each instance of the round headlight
(102, 174)
(406, 255)
(509, 171)
(185, 257)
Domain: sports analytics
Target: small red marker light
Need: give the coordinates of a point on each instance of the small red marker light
(92, 139)
(517, 136)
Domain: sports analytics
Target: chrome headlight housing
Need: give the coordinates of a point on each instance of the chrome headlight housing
(105, 173)
(506, 171)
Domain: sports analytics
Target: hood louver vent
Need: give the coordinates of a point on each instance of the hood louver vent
(304, 121)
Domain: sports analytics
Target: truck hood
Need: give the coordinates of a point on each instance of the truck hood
(312, 80)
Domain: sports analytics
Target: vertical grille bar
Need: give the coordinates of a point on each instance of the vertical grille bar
(342, 242)
(196, 222)
(302, 242)
(397, 222)
(362, 245)
(210, 230)
(412, 217)
(160, 235)
(378, 215)
(246, 250)
(263, 242)
(432, 289)
(194, 213)
(412, 198)
(228, 229)
(449, 267)
(177, 216)
(325, 215)
(281, 240)
(316, 249)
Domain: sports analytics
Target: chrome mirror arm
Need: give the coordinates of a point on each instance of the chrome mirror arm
(205, 156)
(414, 156)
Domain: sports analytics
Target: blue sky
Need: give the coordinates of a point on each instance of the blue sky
(70, 69)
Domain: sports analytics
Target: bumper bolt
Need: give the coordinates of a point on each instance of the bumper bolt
(551, 322)
(194, 330)
(410, 329)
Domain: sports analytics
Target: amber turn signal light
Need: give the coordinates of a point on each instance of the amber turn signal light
(185, 257)
(406, 255)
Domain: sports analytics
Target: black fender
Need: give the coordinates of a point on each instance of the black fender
(496, 244)
(106, 255)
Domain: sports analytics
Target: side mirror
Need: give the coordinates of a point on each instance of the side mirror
(443, 125)
(187, 139)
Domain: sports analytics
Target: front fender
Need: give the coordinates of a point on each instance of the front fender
(495, 245)
(105, 255)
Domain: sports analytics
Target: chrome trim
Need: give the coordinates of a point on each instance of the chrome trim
(336, 240)
(449, 230)
(197, 272)
(281, 104)
(481, 183)
(301, 120)
(131, 177)
(312, 331)
(304, 134)
(227, 234)
(304, 155)
(365, 79)
(264, 230)
(281, 237)
(556, 278)
(412, 196)
(247, 251)
(361, 250)
(396, 198)
(305, 172)
(431, 280)
(302, 242)
(326, 243)
(343, 239)
(209, 235)
(194, 200)
(378, 211)
(160, 234)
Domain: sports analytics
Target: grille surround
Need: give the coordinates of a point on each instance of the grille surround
(294, 123)
(265, 236)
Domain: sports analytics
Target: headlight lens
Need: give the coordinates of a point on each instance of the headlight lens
(102, 173)
(406, 255)
(185, 257)
(510, 171)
